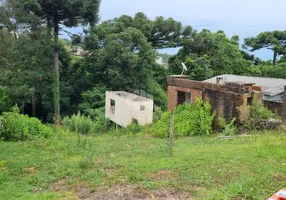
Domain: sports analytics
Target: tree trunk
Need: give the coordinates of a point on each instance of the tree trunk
(34, 105)
(56, 88)
(23, 107)
(275, 57)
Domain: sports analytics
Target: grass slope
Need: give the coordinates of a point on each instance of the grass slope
(252, 167)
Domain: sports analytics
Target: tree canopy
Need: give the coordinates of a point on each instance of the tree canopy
(209, 54)
(161, 32)
(275, 40)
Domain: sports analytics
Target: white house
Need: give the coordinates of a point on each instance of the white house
(123, 107)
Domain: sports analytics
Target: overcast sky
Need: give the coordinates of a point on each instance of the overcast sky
(235, 17)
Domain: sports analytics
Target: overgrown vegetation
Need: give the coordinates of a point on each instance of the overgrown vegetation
(202, 167)
(79, 123)
(228, 129)
(18, 127)
(190, 119)
(259, 114)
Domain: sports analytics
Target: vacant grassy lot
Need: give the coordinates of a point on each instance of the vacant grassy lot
(138, 166)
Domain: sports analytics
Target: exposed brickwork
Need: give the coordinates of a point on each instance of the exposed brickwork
(274, 106)
(173, 95)
(186, 83)
(256, 88)
(234, 87)
(228, 101)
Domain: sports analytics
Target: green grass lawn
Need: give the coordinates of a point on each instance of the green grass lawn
(138, 166)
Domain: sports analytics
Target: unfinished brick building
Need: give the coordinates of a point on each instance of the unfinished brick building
(231, 100)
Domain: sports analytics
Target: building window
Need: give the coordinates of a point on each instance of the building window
(112, 106)
(181, 97)
(142, 107)
(184, 97)
(249, 101)
(188, 97)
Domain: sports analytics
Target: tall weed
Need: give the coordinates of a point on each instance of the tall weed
(80, 124)
(190, 119)
(18, 127)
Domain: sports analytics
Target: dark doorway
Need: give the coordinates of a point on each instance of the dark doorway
(181, 98)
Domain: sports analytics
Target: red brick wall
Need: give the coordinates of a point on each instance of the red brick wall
(274, 106)
(224, 99)
(173, 96)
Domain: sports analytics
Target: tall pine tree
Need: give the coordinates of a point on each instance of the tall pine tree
(56, 15)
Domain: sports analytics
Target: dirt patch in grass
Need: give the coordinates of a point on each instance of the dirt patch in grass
(110, 171)
(148, 136)
(133, 192)
(60, 186)
(164, 175)
(118, 192)
(32, 170)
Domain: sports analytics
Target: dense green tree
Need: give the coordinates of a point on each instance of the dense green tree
(93, 99)
(76, 39)
(14, 19)
(56, 14)
(277, 71)
(124, 62)
(25, 66)
(161, 32)
(209, 54)
(275, 40)
(5, 101)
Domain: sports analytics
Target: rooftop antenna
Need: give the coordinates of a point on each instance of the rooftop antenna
(184, 68)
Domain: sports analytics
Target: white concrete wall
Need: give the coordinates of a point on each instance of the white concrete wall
(122, 114)
(126, 110)
(143, 116)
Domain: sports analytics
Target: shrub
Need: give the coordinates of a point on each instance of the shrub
(258, 113)
(79, 123)
(228, 128)
(17, 127)
(133, 127)
(101, 124)
(162, 126)
(189, 120)
(98, 117)
(157, 114)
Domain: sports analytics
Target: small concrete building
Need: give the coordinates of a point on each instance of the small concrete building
(122, 108)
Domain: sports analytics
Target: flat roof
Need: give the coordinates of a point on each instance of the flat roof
(269, 86)
(130, 96)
